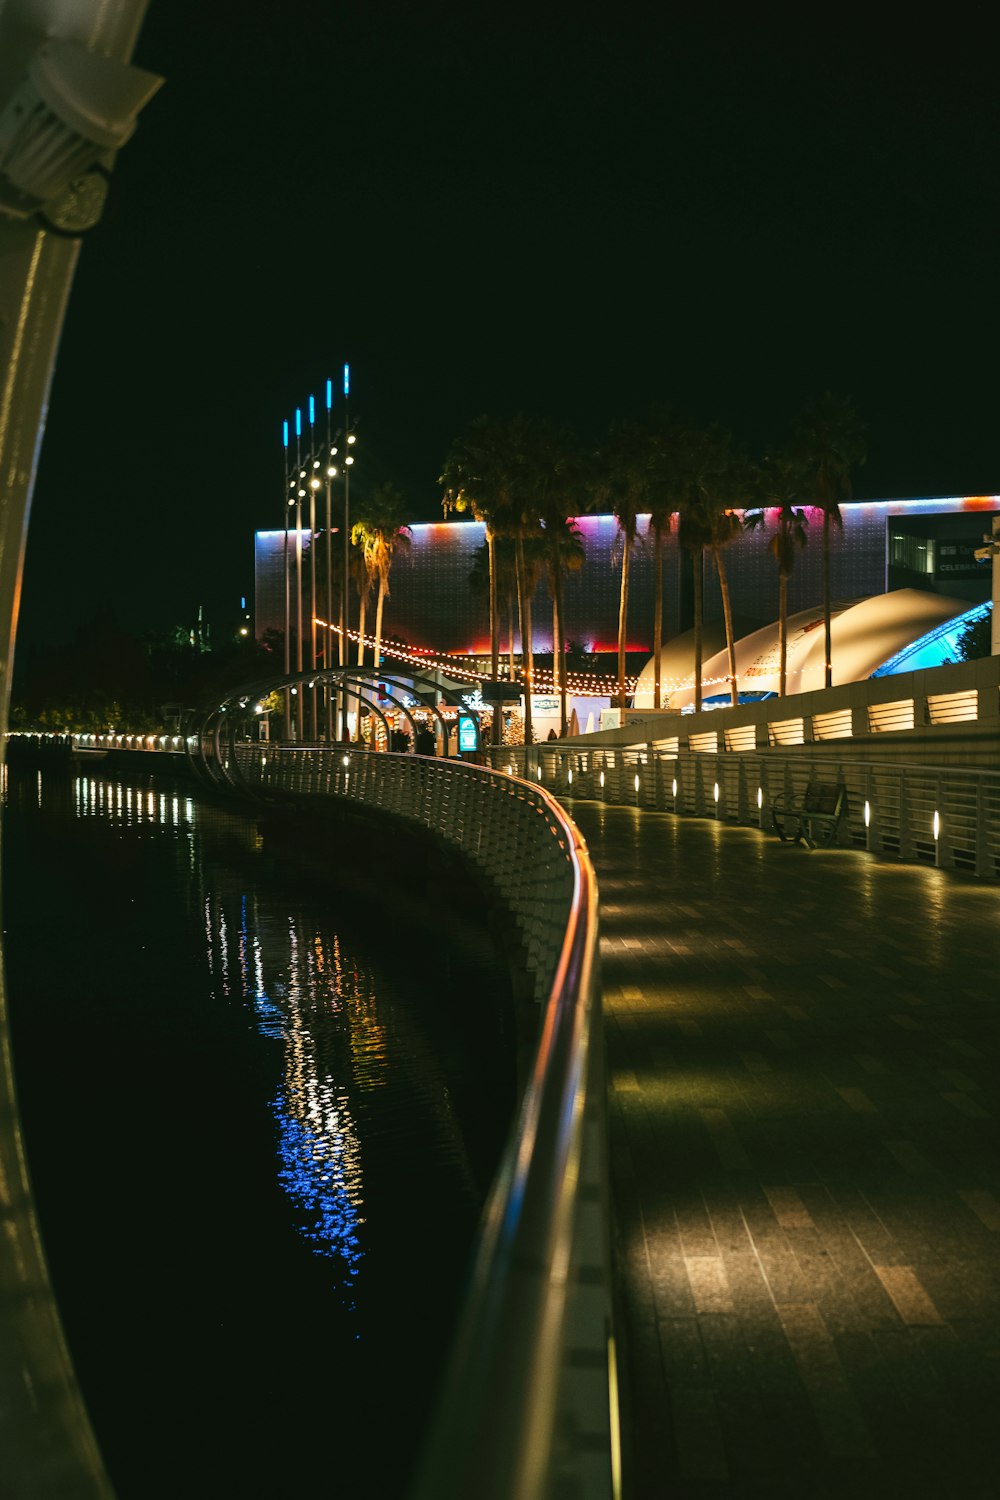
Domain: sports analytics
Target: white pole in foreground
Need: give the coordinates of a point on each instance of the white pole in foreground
(49, 53)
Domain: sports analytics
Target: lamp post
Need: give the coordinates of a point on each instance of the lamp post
(300, 495)
(344, 594)
(310, 472)
(290, 485)
(331, 474)
(313, 467)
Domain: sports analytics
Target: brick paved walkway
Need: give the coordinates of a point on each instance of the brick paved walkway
(803, 1060)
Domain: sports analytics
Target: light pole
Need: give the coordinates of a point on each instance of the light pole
(345, 595)
(307, 477)
(290, 484)
(330, 476)
(299, 497)
(314, 484)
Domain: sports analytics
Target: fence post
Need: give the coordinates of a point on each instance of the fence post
(982, 829)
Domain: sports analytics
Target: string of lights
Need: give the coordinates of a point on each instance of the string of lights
(580, 684)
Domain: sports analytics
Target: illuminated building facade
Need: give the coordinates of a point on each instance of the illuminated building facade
(884, 544)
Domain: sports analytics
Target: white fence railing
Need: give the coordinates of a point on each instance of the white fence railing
(942, 815)
(947, 715)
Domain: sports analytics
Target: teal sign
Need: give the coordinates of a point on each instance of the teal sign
(468, 734)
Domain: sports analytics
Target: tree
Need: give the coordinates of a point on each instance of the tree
(827, 443)
(380, 532)
(665, 495)
(505, 473)
(358, 566)
(564, 553)
(506, 584)
(476, 480)
(621, 480)
(789, 537)
(714, 481)
(975, 640)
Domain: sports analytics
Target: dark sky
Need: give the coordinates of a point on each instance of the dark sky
(573, 211)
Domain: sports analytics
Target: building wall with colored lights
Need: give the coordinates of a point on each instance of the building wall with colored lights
(882, 544)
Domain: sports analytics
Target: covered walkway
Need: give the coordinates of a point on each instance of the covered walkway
(803, 1061)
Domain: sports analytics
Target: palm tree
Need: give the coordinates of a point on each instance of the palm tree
(564, 553)
(827, 443)
(363, 583)
(476, 481)
(503, 473)
(664, 497)
(789, 537)
(529, 564)
(479, 582)
(622, 480)
(714, 479)
(380, 532)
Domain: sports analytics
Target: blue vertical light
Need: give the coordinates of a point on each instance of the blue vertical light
(329, 394)
(284, 428)
(312, 410)
(298, 421)
(347, 380)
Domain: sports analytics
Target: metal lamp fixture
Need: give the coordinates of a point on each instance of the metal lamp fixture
(72, 108)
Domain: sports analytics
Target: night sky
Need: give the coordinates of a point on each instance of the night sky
(568, 211)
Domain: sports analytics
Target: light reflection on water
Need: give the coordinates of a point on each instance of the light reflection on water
(317, 1141)
(254, 1105)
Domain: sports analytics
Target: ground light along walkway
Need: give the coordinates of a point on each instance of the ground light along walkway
(803, 1056)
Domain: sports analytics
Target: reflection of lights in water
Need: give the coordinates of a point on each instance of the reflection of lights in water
(311, 1015)
(320, 1170)
(304, 996)
(223, 952)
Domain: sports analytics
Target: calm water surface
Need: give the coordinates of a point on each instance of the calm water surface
(261, 1119)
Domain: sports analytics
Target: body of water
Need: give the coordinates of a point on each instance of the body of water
(261, 1118)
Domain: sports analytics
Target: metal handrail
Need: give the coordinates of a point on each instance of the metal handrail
(944, 815)
(528, 1408)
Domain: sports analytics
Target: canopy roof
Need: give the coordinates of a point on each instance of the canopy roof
(865, 634)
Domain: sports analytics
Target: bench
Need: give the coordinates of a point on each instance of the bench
(815, 819)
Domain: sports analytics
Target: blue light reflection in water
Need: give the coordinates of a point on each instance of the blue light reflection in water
(315, 1173)
(277, 1127)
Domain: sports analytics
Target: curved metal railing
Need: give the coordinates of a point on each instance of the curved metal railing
(944, 815)
(528, 1409)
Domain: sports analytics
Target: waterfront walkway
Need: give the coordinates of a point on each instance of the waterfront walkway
(803, 1060)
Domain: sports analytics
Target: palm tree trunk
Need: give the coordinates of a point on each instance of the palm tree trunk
(727, 614)
(494, 634)
(494, 612)
(657, 612)
(379, 607)
(361, 659)
(622, 625)
(510, 633)
(559, 645)
(827, 632)
(696, 600)
(783, 631)
(524, 605)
